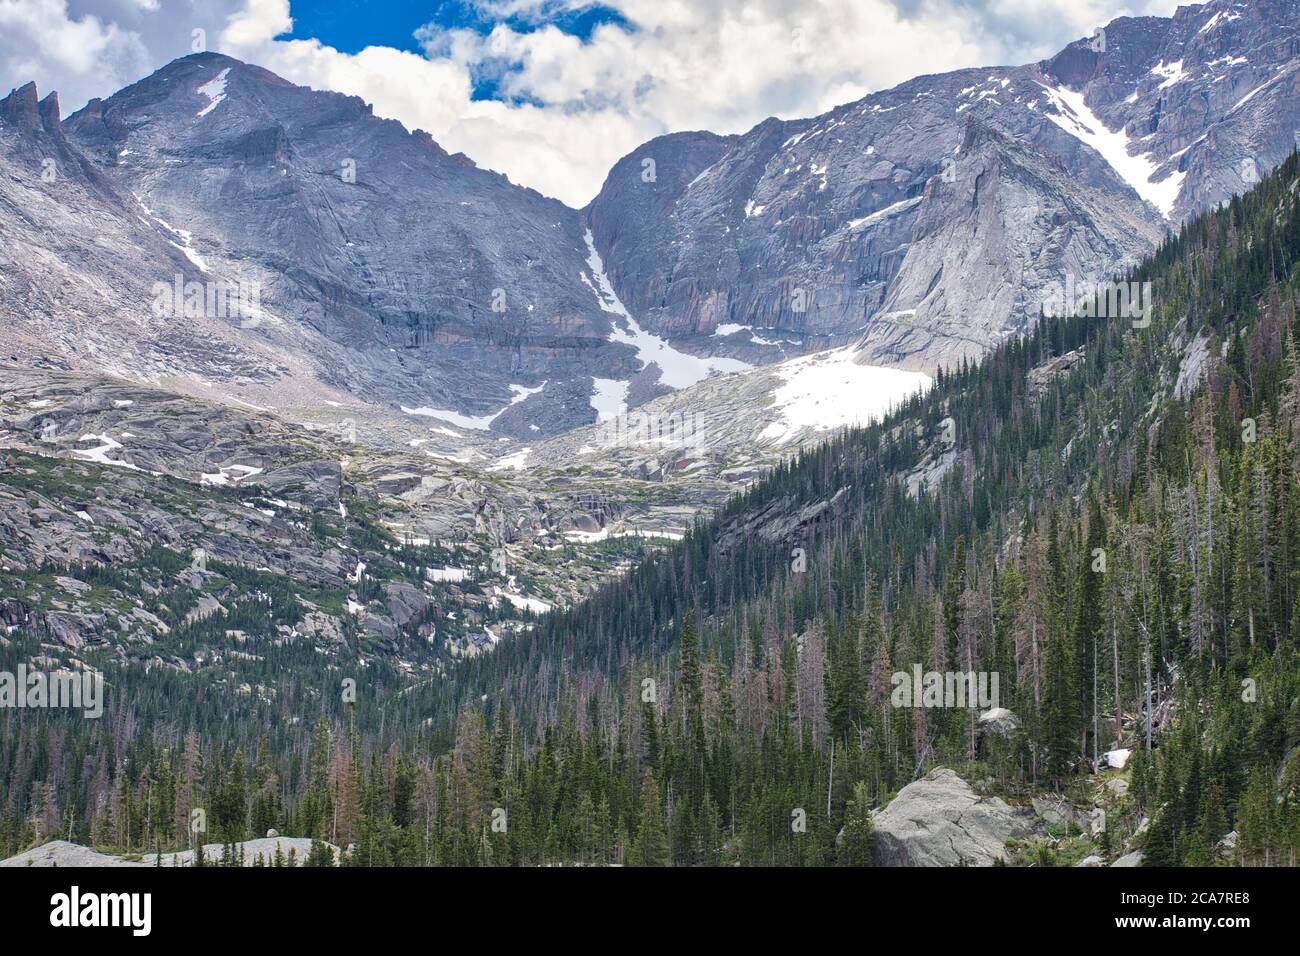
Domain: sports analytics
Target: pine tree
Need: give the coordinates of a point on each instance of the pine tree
(652, 837)
(319, 855)
(1059, 700)
(1257, 819)
(1088, 618)
(1213, 823)
(855, 845)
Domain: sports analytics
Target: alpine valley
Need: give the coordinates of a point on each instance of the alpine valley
(403, 515)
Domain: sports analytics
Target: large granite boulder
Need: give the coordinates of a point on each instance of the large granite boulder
(940, 821)
(406, 603)
(999, 721)
(73, 630)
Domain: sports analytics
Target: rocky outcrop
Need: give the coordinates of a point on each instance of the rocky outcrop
(14, 614)
(61, 853)
(313, 483)
(73, 630)
(940, 821)
(999, 721)
(1054, 811)
(406, 603)
(322, 629)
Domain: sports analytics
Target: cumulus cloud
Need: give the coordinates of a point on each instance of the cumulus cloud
(569, 108)
(87, 48)
(42, 40)
(566, 108)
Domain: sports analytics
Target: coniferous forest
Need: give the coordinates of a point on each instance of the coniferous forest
(1113, 529)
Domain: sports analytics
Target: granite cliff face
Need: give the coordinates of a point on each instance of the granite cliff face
(987, 240)
(926, 218)
(77, 260)
(422, 279)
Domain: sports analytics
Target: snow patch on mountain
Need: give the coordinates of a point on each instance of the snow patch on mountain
(215, 91)
(1255, 92)
(1074, 116)
(186, 244)
(515, 462)
(831, 390)
(880, 215)
(609, 398)
(604, 534)
(229, 475)
(1172, 72)
(1223, 16)
(677, 369)
(100, 454)
(477, 422)
(522, 601)
(453, 575)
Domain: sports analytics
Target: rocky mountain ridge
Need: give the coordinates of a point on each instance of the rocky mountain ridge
(858, 223)
(365, 265)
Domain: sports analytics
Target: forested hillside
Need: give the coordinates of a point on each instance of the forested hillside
(1105, 516)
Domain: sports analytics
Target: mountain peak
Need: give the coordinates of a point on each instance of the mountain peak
(193, 62)
(20, 107)
(24, 109)
(49, 110)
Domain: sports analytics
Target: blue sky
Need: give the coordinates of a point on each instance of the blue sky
(351, 25)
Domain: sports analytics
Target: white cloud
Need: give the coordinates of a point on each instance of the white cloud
(42, 40)
(257, 22)
(574, 107)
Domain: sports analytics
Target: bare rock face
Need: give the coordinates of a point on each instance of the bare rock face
(940, 821)
(986, 246)
(999, 721)
(73, 630)
(933, 213)
(413, 272)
